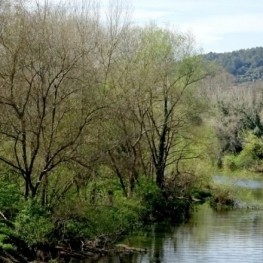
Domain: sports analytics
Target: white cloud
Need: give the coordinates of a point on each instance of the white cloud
(211, 22)
(213, 29)
(145, 16)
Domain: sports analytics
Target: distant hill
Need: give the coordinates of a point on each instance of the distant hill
(245, 64)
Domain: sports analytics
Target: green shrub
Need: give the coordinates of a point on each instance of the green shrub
(251, 154)
(33, 224)
(105, 221)
(229, 162)
(113, 220)
(168, 204)
(252, 151)
(222, 199)
(151, 198)
(10, 198)
(5, 233)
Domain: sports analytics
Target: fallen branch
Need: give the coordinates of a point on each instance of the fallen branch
(5, 220)
(3, 216)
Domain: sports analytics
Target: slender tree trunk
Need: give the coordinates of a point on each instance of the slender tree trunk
(26, 194)
(30, 190)
(160, 176)
(131, 183)
(33, 192)
(161, 160)
(44, 192)
(118, 173)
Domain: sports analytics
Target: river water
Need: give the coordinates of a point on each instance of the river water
(209, 237)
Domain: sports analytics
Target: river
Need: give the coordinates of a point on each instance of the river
(209, 237)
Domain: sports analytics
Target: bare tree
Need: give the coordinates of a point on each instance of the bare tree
(166, 106)
(152, 104)
(40, 83)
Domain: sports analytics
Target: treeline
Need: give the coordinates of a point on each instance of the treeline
(237, 122)
(100, 122)
(236, 96)
(245, 65)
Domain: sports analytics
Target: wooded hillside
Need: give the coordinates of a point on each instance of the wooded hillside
(245, 64)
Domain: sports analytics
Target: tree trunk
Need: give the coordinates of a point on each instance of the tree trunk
(26, 194)
(160, 176)
(161, 160)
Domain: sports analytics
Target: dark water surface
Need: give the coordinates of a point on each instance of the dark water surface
(209, 237)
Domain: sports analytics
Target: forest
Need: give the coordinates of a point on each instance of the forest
(106, 127)
(245, 64)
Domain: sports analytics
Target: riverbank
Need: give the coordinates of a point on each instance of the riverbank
(78, 229)
(244, 190)
(238, 233)
(82, 231)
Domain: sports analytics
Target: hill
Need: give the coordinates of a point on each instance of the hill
(245, 64)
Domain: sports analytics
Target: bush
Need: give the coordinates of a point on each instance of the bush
(33, 224)
(163, 205)
(252, 151)
(229, 162)
(222, 199)
(102, 223)
(12, 246)
(151, 197)
(10, 198)
(250, 156)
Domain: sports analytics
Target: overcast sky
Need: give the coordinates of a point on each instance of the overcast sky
(218, 25)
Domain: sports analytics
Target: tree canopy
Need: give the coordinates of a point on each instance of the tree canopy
(245, 64)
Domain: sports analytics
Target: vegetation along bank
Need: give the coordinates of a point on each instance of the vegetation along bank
(106, 126)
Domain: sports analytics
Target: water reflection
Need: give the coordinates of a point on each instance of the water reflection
(209, 237)
(235, 236)
(243, 183)
(247, 192)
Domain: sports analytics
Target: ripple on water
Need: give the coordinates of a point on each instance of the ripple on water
(209, 237)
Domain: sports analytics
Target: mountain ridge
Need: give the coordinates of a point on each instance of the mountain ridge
(246, 65)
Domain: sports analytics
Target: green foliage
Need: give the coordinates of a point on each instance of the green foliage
(163, 205)
(78, 219)
(222, 199)
(33, 224)
(87, 129)
(10, 198)
(11, 244)
(7, 247)
(113, 220)
(77, 228)
(251, 154)
(245, 65)
(201, 194)
(5, 232)
(151, 196)
(229, 162)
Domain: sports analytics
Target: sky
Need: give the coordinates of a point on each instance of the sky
(217, 25)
